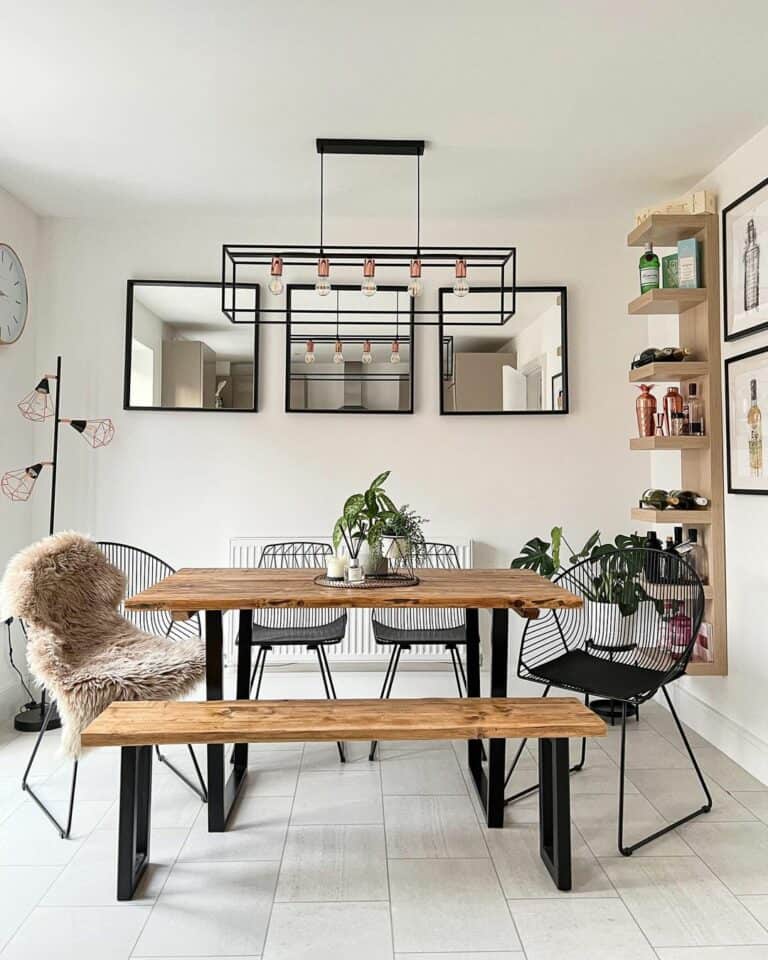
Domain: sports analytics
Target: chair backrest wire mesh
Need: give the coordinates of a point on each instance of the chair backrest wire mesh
(429, 555)
(143, 570)
(296, 555)
(642, 608)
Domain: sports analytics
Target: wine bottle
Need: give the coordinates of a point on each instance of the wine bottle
(653, 559)
(660, 355)
(755, 433)
(686, 500)
(649, 270)
(751, 268)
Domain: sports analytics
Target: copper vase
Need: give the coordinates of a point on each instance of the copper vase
(645, 407)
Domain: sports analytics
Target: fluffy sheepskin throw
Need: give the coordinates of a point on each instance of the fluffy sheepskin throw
(80, 649)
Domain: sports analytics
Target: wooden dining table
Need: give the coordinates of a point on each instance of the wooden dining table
(215, 591)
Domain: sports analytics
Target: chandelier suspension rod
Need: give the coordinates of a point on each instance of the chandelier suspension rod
(418, 206)
(322, 192)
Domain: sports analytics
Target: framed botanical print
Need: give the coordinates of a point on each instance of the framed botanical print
(746, 396)
(745, 245)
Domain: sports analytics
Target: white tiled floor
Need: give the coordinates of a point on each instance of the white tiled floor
(389, 860)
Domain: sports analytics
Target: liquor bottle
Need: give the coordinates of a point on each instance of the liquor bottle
(649, 270)
(694, 555)
(751, 268)
(653, 558)
(693, 413)
(670, 568)
(673, 412)
(678, 629)
(645, 409)
(755, 425)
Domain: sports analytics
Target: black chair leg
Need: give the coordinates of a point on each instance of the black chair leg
(198, 788)
(63, 832)
(529, 790)
(330, 690)
(258, 669)
(386, 689)
(627, 851)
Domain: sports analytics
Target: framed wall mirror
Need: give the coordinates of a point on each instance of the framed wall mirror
(519, 367)
(360, 362)
(182, 353)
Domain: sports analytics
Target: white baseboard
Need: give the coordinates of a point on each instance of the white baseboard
(736, 741)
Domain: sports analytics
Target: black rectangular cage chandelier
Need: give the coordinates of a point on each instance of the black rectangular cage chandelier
(492, 268)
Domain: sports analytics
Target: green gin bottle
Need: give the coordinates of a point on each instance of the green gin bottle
(649, 270)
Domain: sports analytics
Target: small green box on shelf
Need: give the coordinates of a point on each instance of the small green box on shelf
(669, 271)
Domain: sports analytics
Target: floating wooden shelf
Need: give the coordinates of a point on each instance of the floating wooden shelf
(669, 372)
(673, 300)
(693, 518)
(701, 458)
(669, 443)
(665, 229)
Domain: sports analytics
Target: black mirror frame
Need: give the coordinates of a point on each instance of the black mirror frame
(213, 284)
(410, 327)
(562, 291)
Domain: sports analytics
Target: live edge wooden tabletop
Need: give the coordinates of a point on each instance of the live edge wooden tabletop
(192, 589)
(283, 721)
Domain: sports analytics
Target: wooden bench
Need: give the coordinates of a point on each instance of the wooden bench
(136, 727)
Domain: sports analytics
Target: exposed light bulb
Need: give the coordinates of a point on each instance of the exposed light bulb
(368, 286)
(309, 356)
(394, 357)
(276, 271)
(338, 356)
(460, 284)
(414, 285)
(367, 355)
(323, 282)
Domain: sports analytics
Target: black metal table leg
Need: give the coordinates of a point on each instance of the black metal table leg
(243, 689)
(555, 810)
(474, 747)
(134, 818)
(223, 792)
(490, 784)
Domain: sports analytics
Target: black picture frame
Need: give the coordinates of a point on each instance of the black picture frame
(730, 430)
(131, 286)
(289, 339)
(726, 218)
(560, 291)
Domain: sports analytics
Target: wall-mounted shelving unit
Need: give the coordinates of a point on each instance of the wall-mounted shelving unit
(701, 457)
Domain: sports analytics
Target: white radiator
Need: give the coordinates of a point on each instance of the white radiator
(358, 643)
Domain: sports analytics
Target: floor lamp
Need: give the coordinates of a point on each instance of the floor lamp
(18, 485)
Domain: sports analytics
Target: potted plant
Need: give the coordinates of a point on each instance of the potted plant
(399, 532)
(359, 522)
(616, 575)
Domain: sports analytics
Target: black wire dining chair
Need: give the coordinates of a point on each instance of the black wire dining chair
(633, 636)
(142, 570)
(402, 628)
(314, 629)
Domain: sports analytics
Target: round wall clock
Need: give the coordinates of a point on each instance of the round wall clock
(13, 295)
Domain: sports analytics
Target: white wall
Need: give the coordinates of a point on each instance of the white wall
(182, 484)
(730, 711)
(19, 227)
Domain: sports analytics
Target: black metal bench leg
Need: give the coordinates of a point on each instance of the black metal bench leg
(555, 810)
(198, 788)
(134, 822)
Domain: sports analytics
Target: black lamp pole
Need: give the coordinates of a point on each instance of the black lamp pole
(31, 719)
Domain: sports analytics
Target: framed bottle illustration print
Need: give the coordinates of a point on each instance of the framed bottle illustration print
(745, 263)
(746, 403)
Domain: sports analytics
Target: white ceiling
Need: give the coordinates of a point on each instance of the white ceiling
(529, 108)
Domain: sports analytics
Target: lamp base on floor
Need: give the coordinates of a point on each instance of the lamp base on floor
(31, 721)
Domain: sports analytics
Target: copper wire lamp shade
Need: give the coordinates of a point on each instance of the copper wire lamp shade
(18, 485)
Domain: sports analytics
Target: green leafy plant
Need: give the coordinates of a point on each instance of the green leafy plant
(362, 516)
(617, 567)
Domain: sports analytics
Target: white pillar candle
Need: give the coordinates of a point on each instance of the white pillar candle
(335, 568)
